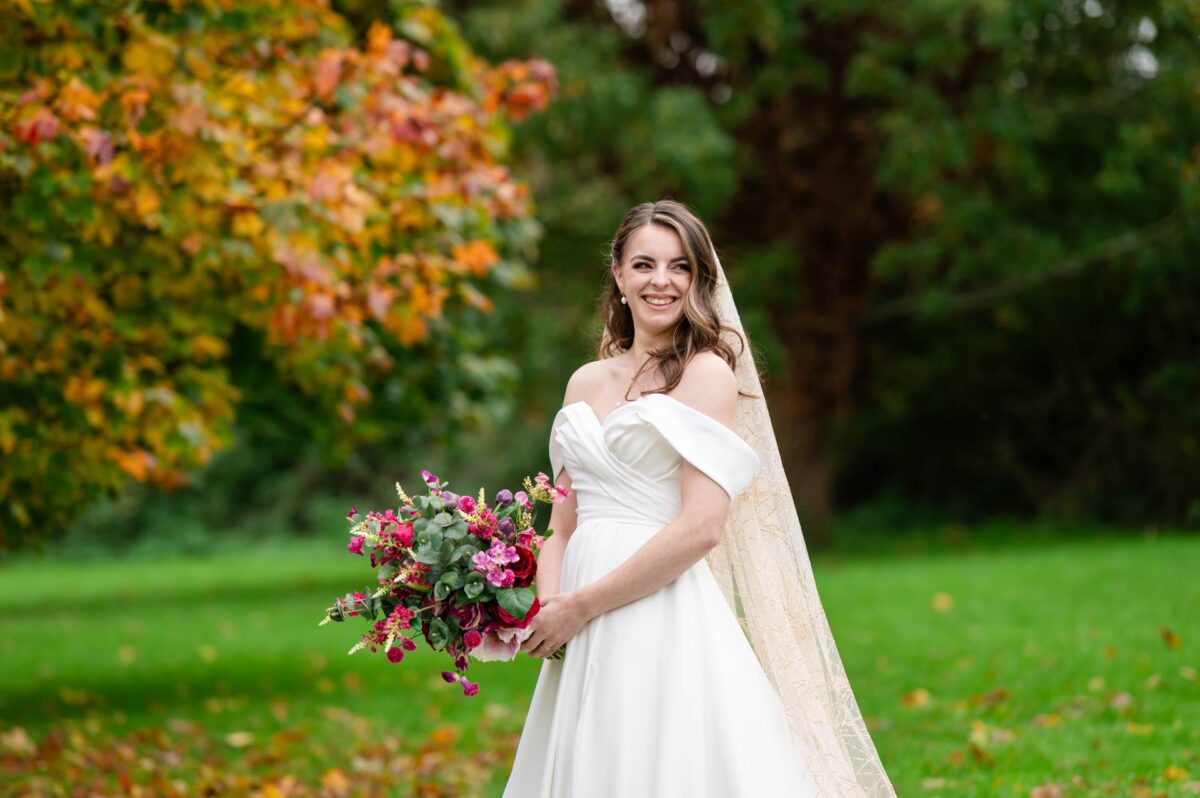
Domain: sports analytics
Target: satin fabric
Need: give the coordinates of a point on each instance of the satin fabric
(662, 696)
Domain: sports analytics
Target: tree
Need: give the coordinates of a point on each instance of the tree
(880, 166)
(176, 173)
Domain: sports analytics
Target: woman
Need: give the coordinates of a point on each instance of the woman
(699, 661)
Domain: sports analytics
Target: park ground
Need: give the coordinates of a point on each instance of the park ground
(1050, 667)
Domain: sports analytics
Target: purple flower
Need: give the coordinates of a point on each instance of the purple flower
(449, 676)
(356, 545)
(503, 497)
(469, 687)
(507, 527)
(450, 498)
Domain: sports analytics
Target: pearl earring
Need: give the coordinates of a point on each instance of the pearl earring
(623, 302)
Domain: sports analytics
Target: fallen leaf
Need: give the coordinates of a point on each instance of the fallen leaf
(1170, 638)
(1120, 700)
(1046, 791)
(942, 602)
(239, 739)
(915, 698)
(1046, 719)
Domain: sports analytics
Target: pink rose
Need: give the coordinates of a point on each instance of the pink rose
(472, 639)
(501, 645)
(395, 654)
(404, 533)
(356, 545)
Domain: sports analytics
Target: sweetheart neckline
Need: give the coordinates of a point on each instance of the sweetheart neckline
(602, 423)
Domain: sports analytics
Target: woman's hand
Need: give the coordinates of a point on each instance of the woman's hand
(560, 618)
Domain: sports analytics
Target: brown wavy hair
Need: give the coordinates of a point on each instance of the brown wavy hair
(699, 329)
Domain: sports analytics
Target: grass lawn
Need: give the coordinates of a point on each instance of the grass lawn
(980, 673)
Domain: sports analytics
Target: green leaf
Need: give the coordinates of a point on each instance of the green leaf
(474, 585)
(441, 590)
(443, 519)
(439, 634)
(456, 530)
(428, 554)
(465, 550)
(516, 601)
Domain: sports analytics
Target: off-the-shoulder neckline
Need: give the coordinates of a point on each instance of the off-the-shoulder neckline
(604, 423)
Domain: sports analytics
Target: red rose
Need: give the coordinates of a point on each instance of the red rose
(509, 620)
(524, 568)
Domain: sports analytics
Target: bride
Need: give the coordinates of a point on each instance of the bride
(699, 661)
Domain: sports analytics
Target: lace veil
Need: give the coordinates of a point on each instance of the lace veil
(764, 571)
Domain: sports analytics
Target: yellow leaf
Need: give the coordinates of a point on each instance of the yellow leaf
(247, 225)
(1170, 638)
(942, 602)
(147, 58)
(915, 698)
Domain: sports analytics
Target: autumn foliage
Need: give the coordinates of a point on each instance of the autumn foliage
(171, 172)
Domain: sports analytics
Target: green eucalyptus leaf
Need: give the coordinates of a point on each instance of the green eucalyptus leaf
(439, 634)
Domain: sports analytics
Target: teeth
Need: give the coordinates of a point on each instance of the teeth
(653, 301)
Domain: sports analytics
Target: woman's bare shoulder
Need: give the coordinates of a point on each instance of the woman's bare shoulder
(588, 379)
(709, 385)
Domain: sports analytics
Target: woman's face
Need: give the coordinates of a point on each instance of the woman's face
(654, 270)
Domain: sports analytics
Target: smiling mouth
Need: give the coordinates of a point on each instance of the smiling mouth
(659, 302)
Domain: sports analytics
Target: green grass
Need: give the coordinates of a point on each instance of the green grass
(1040, 664)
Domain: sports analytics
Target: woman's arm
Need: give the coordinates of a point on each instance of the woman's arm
(709, 386)
(562, 521)
(563, 517)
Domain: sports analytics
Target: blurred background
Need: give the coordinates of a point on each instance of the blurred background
(261, 261)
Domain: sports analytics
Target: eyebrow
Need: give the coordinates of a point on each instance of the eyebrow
(647, 257)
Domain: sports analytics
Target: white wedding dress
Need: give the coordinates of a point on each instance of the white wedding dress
(662, 696)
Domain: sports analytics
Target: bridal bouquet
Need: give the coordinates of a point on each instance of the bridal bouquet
(452, 569)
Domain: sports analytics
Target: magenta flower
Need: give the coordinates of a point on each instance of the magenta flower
(353, 512)
(449, 676)
(466, 504)
(429, 477)
(469, 687)
(491, 563)
(356, 545)
(395, 654)
(472, 639)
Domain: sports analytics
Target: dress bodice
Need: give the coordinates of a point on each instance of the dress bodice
(627, 467)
